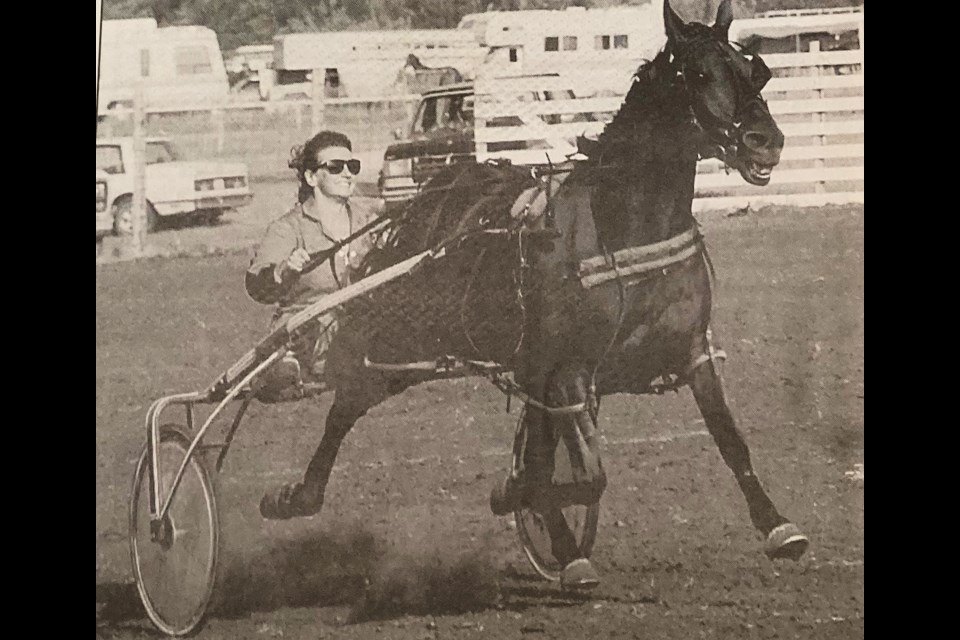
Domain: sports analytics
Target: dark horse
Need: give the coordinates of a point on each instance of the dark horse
(418, 77)
(616, 299)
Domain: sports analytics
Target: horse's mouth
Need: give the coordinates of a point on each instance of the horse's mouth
(756, 172)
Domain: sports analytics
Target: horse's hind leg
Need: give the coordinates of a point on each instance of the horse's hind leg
(306, 498)
(784, 539)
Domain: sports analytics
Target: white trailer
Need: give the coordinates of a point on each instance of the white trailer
(359, 64)
(178, 66)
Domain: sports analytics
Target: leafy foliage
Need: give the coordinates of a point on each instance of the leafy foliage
(239, 22)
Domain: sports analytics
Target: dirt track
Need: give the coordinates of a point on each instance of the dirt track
(406, 509)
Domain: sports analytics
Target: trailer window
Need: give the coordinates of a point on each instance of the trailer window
(551, 43)
(569, 43)
(619, 42)
(192, 61)
(159, 152)
(296, 76)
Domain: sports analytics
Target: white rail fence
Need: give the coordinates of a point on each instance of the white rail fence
(816, 98)
(302, 113)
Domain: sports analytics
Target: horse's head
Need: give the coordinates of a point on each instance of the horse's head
(723, 83)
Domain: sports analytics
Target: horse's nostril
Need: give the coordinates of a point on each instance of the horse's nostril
(756, 139)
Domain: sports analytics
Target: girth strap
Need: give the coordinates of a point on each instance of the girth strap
(635, 261)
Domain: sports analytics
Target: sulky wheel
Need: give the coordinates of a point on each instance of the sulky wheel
(175, 568)
(535, 539)
(532, 530)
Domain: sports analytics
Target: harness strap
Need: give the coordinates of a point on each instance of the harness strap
(492, 371)
(635, 261)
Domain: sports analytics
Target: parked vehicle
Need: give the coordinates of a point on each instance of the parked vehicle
(443, 131)
(104, 220)
(174, 187)
(359, 64)
(180, 67)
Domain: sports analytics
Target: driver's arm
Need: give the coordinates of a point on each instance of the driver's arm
(270, 276)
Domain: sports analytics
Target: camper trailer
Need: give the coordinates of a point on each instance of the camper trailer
(801, 31)
(574, 41)
(180, 67)
(360, 64)
(244, 66)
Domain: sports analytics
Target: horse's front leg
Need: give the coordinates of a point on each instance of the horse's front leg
(783, 538)
(301, 499)
(574, 423)
(357, 390)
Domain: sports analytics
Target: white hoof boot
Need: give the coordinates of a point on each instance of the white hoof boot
(786, 541)
(579, 575)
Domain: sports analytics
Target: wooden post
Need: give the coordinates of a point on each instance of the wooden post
(317, 107)
(139, 210)
(818, 117)
(219, 126)
(409, 109)
(860, 38)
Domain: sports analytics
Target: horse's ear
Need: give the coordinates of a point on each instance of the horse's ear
(724, 18)
(673, 24)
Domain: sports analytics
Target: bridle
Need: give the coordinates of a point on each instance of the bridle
(723, 136)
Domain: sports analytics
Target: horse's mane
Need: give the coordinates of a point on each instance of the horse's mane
(456, 203)
(652, 85)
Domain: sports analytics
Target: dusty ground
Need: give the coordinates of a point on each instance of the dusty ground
(406, 509)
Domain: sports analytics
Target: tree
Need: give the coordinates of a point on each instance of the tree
(239, 22)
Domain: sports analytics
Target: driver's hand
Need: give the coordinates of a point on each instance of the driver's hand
(297, 260)
(295, 263)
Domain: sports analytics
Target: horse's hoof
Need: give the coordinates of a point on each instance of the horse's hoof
(505, 497)
(786, 541)
(579, 575)
(283, 504)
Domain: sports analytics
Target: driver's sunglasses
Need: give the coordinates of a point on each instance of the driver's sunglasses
(335, 167)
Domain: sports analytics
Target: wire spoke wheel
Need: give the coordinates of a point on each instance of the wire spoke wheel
(535, 539)
(532, 527)
(175, 569)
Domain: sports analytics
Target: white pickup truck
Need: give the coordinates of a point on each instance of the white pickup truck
(174, 187)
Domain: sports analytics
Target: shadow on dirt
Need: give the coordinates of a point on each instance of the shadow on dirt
(119, 612)
(540, 595)
(118, 602)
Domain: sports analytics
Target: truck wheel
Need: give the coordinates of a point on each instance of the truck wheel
(123, 217)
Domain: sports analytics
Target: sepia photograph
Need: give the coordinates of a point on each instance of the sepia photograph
(463, 319)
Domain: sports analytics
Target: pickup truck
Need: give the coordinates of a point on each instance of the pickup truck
(442, 133)
(174, 187)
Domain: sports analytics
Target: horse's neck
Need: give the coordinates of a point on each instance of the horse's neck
(647, 165)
